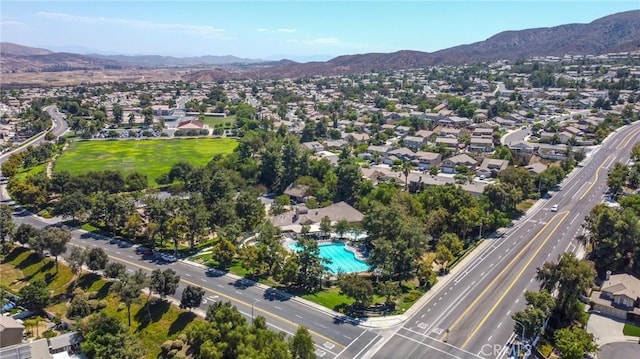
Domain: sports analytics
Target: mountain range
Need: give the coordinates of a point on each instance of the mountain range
(614, 33)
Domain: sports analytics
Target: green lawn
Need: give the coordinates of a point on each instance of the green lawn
(166, 321)
(32, 171)
(212, 121)
(150, 157)
(632, 330)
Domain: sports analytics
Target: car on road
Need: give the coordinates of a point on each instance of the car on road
(210, 272)
(169, 258)
(554, 208)
(144, 251)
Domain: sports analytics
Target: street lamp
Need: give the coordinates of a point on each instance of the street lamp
(522, 325)
(252, 304)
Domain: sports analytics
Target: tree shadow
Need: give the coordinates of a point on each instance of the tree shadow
(156, 307)
(31, 259)
(14, 254)
(104, 290)
(180, 323)
(86, 280)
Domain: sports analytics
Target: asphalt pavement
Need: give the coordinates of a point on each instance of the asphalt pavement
(470, 317)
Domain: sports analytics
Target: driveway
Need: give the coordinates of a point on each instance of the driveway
(619, 351)
(607, 330)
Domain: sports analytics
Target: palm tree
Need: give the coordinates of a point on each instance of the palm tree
(406, 169)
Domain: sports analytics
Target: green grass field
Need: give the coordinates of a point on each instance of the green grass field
(631, 330)
(213, 121)
(150, 157)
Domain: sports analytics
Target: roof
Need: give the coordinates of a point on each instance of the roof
(37, 349)
(622, 284)
(65, 340)
(463, 158)
(9, 323)
(191, 124)
(296, 191)
(335, 212)
(494, 163)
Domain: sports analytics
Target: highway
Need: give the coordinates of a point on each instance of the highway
(332, 333)
(470, 316)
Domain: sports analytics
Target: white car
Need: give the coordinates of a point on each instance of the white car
(554, 208)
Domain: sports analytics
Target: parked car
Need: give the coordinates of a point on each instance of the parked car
(169, 258)
(144, 251)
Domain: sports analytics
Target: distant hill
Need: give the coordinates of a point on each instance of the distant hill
(9, 48)
(613, 33)
(170, 61)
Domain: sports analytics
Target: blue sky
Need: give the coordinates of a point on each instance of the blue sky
(297, 30)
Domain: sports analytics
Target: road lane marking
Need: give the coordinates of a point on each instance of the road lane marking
(235, 299)
(515, 280)
(434, 348)
(439, 341)
(188, 275)
(502, 272)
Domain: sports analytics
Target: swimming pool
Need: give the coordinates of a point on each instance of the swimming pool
(342, 261)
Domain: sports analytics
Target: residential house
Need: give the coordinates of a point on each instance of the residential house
(449, 165)
(297, 193)
(68, 342)
(381, 149)
(160, 110)
(314, 146)
(536, 168)
(619, 297)
(522, 146)
(491, 166)
(335, 144)
(480, 144)
(482, 132)
(358, 137)
(10, 331)
(450, 132)
(451, 143)
(414, 142)
(424, 134)
(37, 349)
(425, 160)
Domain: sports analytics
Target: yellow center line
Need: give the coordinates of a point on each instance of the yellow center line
(517, 278)
(258, 309)
(595, 180)
(488, 287)
(625, 141)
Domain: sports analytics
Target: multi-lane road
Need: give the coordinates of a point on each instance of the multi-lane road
(467, 317)
(470, 316)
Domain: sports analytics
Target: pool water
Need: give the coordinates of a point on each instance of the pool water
(342, 261)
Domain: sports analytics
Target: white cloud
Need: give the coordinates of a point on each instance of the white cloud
(282, 30)
(200, 30)
(6, 21)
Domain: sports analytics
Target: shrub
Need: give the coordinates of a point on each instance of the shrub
(183, 337)
(177, 344)
(166, 346)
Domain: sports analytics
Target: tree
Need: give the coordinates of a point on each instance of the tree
(249, 209)
(191, 297)
(452, 242)
(114, 270)
(349, 181)
(163, 283)
(325, 226)
(223, 252)
(76, 259)
(538, 308)
(635, 152)
(302, 346)
(24, 233)
(56, 242)
(574, 342)
(117, 113)
(131, 118)
(571, 277)
(71, 205)
(6, 224)
(105, 337)
(311, 265)
(426, 276)
(443, 255)
(617, 178)
(96, 258)
(128, 288)
(357, 287)
(342, 227)
(35, 296)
